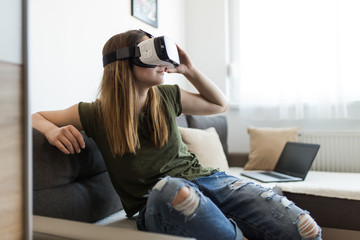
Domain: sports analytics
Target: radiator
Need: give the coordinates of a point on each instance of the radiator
(339, 151)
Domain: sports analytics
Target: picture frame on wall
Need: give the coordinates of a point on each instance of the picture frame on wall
(146, 11)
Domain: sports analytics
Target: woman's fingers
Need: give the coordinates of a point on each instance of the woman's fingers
(70, 144)
(185, 63)
(78, 136)
(61, 147)
(68, 140)
(75, 138)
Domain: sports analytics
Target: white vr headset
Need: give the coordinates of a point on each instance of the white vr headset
(148, 53)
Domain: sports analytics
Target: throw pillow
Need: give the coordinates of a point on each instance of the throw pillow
(206, 145)
(266, 145)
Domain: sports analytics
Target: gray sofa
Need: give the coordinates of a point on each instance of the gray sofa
(77, 187)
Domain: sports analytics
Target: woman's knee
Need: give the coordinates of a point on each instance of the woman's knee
(186, 201)
(169, 185)
(169, 190)
(181, 196)
(307, 227)
(177, 194)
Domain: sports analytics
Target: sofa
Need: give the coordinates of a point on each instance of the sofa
(77, 187)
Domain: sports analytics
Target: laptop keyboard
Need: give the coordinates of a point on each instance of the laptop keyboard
(273, 175)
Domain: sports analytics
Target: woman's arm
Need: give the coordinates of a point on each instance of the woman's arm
(209, 100)
(61, 128)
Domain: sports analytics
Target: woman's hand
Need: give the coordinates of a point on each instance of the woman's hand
(185, 63)
(61, 128)
(67, 139)
(209, 100)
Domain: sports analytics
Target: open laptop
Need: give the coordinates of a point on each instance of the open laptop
(293, 165)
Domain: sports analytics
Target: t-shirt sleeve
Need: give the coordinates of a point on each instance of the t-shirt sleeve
(172, 95)
(87, 117)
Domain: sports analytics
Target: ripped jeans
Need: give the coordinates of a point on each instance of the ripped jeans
(222, 206)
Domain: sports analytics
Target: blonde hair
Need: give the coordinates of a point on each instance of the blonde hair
(119, 105)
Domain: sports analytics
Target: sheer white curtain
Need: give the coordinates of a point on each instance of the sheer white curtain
(295, 59)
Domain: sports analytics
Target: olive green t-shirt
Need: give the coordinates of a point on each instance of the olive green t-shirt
(133, 175)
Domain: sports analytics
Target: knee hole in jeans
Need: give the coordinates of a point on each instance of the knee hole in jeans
(181, 195)
(186, 201)
(308, 228)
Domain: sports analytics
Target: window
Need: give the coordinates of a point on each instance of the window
(296, 59)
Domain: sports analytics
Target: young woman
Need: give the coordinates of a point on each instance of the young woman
(133, 123)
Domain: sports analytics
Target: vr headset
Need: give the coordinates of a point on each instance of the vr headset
(148, 53)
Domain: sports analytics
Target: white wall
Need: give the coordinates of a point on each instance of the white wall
(206, 38)
(66, 39)
(11, 36)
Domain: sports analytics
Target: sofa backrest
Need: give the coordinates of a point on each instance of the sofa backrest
(219, 122)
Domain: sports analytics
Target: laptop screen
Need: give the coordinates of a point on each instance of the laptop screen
(296, 159)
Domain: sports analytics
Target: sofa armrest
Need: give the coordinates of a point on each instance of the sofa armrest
(75, 187)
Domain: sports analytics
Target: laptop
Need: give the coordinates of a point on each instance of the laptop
(293, 165)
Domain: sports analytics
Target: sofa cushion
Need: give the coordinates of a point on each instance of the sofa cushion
(218, 122)
(206, 145)
(266, 145)
(75, 187)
